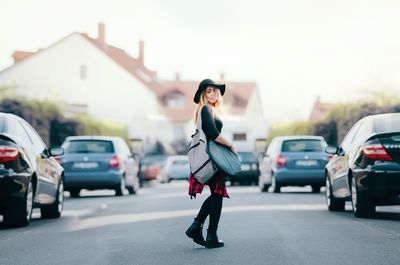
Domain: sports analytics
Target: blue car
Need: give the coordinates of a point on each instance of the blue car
(294, 161)
(98, 162)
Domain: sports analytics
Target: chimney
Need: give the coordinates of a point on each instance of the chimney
(222, 76)
(20, 55)
(177, 76)
(141, 52)
(101, 34)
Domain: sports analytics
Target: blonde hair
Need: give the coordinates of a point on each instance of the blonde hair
(203, 101)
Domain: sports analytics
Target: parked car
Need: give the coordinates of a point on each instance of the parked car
(365, 169)
(151, 166)
(30, 176)
(176, 168)
(98, 162)
(294, 161)
(249, 169)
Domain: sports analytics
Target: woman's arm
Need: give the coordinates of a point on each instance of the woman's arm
(210, 128)
(222, 140)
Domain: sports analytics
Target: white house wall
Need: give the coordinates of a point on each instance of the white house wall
(110, 92)
(254, 114)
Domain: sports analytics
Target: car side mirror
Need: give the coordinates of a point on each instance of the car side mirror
(56, 151)
(333, 150)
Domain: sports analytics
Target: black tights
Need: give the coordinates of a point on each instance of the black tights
(211, 206)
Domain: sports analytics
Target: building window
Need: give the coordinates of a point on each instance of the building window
(176, 100)
(83, 72)
(239, 136)
(179, 132)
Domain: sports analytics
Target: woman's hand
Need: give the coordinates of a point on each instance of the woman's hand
(233, 149)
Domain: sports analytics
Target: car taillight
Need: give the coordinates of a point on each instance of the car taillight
(58, 159)
(376, 152)
(329, 157)
(114, 162)
(281, 161)
(8, 154)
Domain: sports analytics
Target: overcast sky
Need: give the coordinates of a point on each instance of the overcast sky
(294, 49)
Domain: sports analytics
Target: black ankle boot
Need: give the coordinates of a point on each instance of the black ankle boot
(195, 232)
(212, 240)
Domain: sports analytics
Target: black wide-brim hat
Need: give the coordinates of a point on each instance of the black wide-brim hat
(203, 85)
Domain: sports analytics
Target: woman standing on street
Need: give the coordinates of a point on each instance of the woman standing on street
(208, 98)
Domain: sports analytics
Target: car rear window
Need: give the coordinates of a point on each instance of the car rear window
(248, 157)
(302, 146)
(154, 159)
(387, 124)
(89, 146)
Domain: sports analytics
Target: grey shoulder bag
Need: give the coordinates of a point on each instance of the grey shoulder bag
(201, 165)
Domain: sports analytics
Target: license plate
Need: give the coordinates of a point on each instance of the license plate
(245, 167)
(85, 165)
(306, 163)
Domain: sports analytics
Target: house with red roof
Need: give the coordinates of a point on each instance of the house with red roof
(320, 110)
(88, 75)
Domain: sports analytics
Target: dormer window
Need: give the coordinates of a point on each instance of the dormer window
(176, 100)
(238, 101)
(83, 72)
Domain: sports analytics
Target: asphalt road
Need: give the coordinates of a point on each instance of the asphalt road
(293, 227)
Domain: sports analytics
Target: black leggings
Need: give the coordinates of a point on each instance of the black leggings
(211, 206)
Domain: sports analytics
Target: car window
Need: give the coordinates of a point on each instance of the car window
(364, 130)
(247, 157)
(302, 145)
(22, 134)
(387, 124)
(348, 139)
(154, 160)
(2, 124)
(88, 146)
(38, 144)
(180, 162)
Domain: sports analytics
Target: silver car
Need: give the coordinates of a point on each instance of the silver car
(176, 168)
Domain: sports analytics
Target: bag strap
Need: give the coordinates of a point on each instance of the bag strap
(199, 121)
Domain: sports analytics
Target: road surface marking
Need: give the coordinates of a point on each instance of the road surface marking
(95, 222)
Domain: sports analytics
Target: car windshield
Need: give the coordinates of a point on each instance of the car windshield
(247, 156)
(303, 145)
(387, 124)
(89, 146)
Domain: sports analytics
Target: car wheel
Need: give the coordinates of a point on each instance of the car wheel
(54, 210)
(265, 187)
(363, 205)
(333, 203)
(131, 190)
(316, 188)
(119, 191)
(276, 188)
(74, 193)
(19, 213)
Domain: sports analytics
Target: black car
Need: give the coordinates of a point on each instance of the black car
(29, 174)
(365, 169)
(249, 169)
